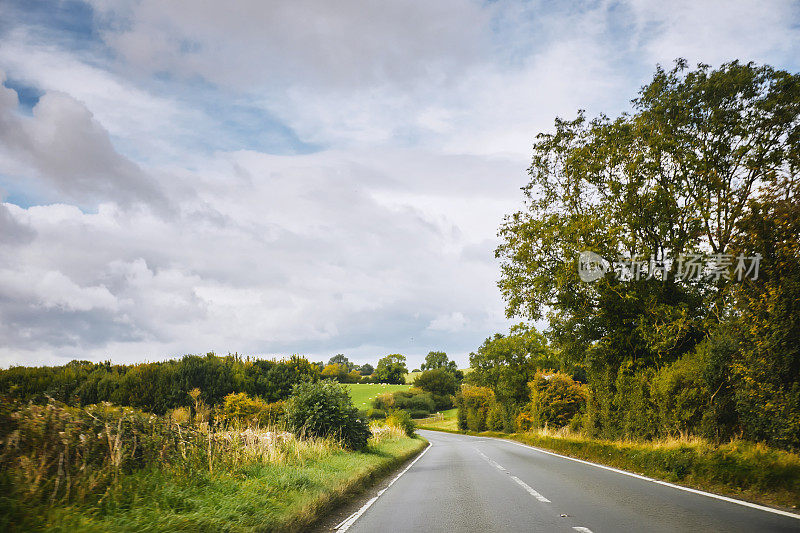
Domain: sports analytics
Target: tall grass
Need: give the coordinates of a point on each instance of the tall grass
(80, 467)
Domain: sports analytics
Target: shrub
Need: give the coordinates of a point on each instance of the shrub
(324, 409)
(495, 417)
(681, 394)
(376, 414)
(241, 410)
(524, 421)
(555, 398)
(636, 412)
(438, 381)
(416, 401)
(402, 420)
(383, 401)
(473, 407)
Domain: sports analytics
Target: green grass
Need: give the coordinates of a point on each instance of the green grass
(744, 470)
(363, 393)
(449, 422)
(256, 497)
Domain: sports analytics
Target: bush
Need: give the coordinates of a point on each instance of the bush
(555, 398)
(636, 411)
(383, 401)
(416, 401)
(437, 381)
(495, 417)
(474, 404)
(324, 409)
(376, 414)
(682, 395)
(524, 421)
(402, 420)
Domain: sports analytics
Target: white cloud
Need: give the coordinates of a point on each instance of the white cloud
(63, 145)
(453, 322)
(156, 238)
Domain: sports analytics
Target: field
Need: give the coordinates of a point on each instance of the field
(411, 376)
(448, 421)
(363, 393)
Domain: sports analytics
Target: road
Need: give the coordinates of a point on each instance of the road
(485, 485)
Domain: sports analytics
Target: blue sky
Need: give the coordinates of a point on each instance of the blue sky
(307, 177)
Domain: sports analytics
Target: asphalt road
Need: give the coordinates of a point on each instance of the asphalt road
(485, 485)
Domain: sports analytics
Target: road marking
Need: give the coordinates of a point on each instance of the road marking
(519, 482)
(665, 483)
(582, 529)
(345, 524)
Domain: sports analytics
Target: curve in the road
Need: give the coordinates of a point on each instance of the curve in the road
(461, 483)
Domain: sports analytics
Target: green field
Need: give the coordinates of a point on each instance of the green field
(449, 421)
(411, 376)
(363, 393)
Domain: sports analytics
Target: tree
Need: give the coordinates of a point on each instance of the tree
(506, 363)
(438, 360)
(555, 398)
(437, 381)
(366, 369)
(340, 359)
(392, 369)
(766, 368)
(678, 176)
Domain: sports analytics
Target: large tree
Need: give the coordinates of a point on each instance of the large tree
(507, 363)
(698, 171)
(672, 178)
(392, 369)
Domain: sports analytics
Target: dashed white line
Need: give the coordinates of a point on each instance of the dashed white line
(658, 481)
(517, 480)
(345, 524)
(582, 529)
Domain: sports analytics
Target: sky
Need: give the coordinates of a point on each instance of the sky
(272, 178)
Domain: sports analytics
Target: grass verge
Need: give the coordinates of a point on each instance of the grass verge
(743, 470)
(256, 497)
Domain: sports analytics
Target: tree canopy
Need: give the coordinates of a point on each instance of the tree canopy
(704, 170)
(392, 369)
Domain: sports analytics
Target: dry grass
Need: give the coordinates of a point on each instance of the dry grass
(109, 468)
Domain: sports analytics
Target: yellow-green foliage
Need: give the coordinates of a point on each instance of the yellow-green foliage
(402, 421)
(105, 468)
(241, 410)
(474, 404)
(555, 399)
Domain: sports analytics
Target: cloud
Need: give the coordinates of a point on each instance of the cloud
(453, 322)
(271, 254)
(13, 232)
(300, 177)
(64, 146)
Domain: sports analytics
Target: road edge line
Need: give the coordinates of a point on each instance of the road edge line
(658, 481)
(345, 524)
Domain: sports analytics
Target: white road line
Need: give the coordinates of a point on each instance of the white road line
(345, 524)
(665, 483)
(582, 529)
(519, 482)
